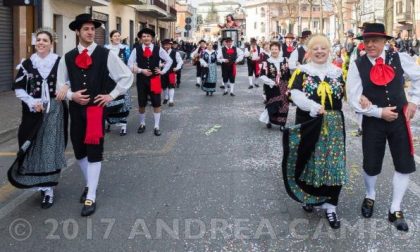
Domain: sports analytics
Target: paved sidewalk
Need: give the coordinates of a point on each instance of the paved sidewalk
(10, 112)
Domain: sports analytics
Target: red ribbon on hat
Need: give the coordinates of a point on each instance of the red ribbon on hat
(83, 60)
(147, 52)
(94, 124)
(381, 74)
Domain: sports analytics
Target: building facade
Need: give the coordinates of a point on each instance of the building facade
(185, 10)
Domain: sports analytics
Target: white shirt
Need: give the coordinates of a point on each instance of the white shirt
(264, 79)
(239, 53)
(179, 61)
(294, 58)
(355, 89)
(132, 60)
(118, 72)
(44, 67)
(254, 55)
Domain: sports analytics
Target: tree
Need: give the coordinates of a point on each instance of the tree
(389, 15)
(292, 10)
(311, 4)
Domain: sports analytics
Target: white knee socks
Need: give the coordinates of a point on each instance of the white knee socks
(231, 87)
(400, 185)
(157, 120)
(142, 118)
(83, 163)
(329, 207)
(93, 172)
(166, 92)
(370, 182)
(251, 81)
(171, 94)
(198, 80)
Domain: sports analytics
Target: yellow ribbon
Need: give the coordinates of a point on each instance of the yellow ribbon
(324, 90)
(292, 79)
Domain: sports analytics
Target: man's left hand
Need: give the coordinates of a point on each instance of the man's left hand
(411, 110)
(102, 100)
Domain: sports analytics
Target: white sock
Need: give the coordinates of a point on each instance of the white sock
(329, 207)
(370, 182)
(142, 118)
(171, 94)
(124, 126)
(250, 79)
(49, 192)
(224, 84)
(83, 163)
(231, 88)
(198, 80)
(166, 94)
(94, 171)
(157, 120)
(400, 185)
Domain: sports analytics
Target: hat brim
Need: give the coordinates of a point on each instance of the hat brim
(289, 37)
(77, 24)
(362, 37)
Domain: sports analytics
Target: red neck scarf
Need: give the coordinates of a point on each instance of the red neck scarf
(230, 51)
(83, 60)
(147, 52)
(381, 74)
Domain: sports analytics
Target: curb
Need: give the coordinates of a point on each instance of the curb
(7, 135)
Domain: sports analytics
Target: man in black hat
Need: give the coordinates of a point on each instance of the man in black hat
(252, 54)
(169, 79)
(175, 46)
(95, 77)
(298, 56)
(375, 89)
(289, 45)
(229, 55)
(196, 55)
(145, 62)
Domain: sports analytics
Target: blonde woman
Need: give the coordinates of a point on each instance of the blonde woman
(314, 162)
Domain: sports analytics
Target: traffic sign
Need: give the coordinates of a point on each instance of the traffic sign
(188, 20)
(188, 27)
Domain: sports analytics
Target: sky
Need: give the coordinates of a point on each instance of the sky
(196, 2)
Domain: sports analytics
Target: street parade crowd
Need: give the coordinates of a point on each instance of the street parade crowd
(91, 85)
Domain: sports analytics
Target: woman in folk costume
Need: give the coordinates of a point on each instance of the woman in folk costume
(118, 109)
(314, 161)
(274, 76)
(208, 63)
(43, 131)
(265, 54)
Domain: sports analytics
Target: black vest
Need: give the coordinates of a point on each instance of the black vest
(212, 56)
(146, 63)
(231, 57)
(301, 54)
(249, 60)
(95, 79)
(391, 94)
(287, 54)
(173, 57)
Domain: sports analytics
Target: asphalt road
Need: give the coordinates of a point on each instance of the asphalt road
(211, 182)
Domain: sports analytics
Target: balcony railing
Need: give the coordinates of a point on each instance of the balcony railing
(172, 10)
(403, 17)
(159, 4)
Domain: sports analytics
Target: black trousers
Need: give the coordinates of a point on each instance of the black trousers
(198, 66)
(178, 77)
(252, 69)
(228, 73)
(93, 152)
(376, 132)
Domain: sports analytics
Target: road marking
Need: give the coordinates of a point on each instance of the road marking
(213, 129)
(414, 188)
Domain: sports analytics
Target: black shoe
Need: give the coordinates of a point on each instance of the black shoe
(197, 85)
(157, 132)
(367, 207)
(47, 201)
(250, 87)
(268, 125)
(165, 101)
(256, 85)
(222, 87)
(308, 208)
(89, 208)
(397, 218)
(225, 93)
(333, 220)
(141, 129)
(171, 104)
(108, 128)
(84, 194)
(123, 132)
(232, 94)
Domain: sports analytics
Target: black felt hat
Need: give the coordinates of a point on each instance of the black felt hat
(167, 41)
(305, 34)
(374, 30)
(146, 31)
(83, 19)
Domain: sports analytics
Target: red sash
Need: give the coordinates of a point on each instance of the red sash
(410, 135)
(94, 127)
(155, 84)
(172, 78)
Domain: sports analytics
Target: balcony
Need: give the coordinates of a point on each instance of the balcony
(152, 8)
(403, 18)
(91, 2)
(171, 15)
(132, 2)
